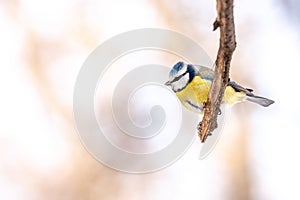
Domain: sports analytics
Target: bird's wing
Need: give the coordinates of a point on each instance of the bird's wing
(204, 72)
(208, 74)
(239, 88)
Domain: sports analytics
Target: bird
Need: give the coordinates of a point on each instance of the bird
(191, 84)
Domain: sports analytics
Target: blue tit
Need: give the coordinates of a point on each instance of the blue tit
(191, 85)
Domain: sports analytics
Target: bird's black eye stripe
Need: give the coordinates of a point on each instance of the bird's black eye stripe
(179, 77)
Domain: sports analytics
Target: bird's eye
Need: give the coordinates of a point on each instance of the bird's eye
(179, 77)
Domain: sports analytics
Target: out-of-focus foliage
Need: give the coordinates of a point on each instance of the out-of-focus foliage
(44, 43)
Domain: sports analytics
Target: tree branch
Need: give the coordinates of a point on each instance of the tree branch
(227, 45)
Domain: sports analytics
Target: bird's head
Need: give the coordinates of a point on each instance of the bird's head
(180, 76)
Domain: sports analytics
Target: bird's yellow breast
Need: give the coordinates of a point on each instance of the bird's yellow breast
(196, 92)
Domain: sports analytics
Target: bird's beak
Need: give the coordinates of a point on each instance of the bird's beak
(167, 83)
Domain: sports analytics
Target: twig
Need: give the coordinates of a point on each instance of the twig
(227, 45)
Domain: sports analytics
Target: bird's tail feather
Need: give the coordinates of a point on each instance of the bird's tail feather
(260, 100)
(250, 96)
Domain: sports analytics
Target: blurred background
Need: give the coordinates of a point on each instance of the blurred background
(44, 44)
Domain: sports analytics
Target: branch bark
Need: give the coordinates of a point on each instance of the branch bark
(224, 21)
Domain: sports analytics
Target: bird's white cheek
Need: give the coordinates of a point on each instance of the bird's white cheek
(181, 83)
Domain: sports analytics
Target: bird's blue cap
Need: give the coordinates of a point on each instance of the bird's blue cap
(177, 67)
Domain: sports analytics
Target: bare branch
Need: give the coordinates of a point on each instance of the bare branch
(227, 46)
